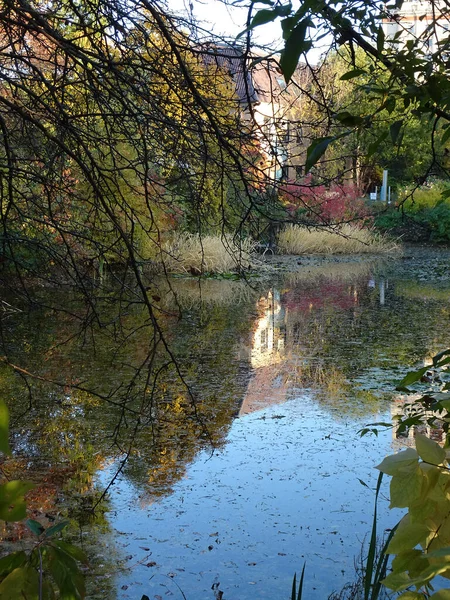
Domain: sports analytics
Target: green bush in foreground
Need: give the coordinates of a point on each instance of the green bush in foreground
(422, 216)
(51, 565)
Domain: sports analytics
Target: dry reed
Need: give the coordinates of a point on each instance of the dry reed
(345, 239)
(187, 253)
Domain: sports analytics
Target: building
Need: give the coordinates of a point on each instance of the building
(424, 22)
(265, 104)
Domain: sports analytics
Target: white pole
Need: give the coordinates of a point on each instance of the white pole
(383, 194)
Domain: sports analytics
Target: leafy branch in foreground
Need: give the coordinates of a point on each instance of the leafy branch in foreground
(51, 562)
(421, 544)
(430, 407)
(421, 483)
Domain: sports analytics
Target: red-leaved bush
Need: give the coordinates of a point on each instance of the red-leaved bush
(320, 204)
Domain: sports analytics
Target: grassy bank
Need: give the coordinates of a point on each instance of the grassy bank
(187, 253)
(345, 239)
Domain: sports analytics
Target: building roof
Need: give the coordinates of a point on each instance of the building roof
(257, 79)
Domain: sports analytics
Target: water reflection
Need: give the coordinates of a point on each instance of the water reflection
(304, 362)
(294, 334)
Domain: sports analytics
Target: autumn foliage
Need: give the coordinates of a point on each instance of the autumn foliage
(338, 203)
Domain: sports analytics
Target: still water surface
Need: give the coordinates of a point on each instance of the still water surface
(285, 373)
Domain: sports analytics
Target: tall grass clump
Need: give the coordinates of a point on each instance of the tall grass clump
(345, 239)
(188, 253)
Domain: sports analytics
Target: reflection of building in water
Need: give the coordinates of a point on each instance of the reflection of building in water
(290, 328)
(269, 338)
(383, 285)
(267, 385)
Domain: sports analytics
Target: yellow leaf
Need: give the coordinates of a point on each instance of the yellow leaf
(394, 463)
(407, 536)
(429, 451)
(441, 595)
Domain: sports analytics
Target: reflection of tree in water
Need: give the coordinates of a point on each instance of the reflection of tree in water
(157, 424)
(207, 342)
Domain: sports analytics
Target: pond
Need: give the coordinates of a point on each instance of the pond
(227, 493)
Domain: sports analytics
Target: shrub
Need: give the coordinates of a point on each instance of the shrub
(425, 216)
(325, 205)
(438, 219)
(424, 197)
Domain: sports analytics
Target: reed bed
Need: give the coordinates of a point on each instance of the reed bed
(188, 253)
(343, 239)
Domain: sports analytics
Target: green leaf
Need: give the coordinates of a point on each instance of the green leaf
(23, 582)
(294, 45)
(4, 428)
(316, 150)
(352, 74)
(380, 39)
(12, 502)
(441, 595)
(445, 136)
(397, 581)
(428, 450)
(373, 147)
(56, 528)
(394, 463)
(72, 551)
(288, 24)
(263, 16)
(348, 119)
(35, 527)
(411, 596)
(66, 574)
(12, 561)
(407, 536)
(442, 552)
(412, 377)
(394, 130)
(389, 104)
(268, 15)
(406, 486)
(404, 560)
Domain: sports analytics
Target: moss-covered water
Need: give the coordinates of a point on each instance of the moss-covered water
(234, 491)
